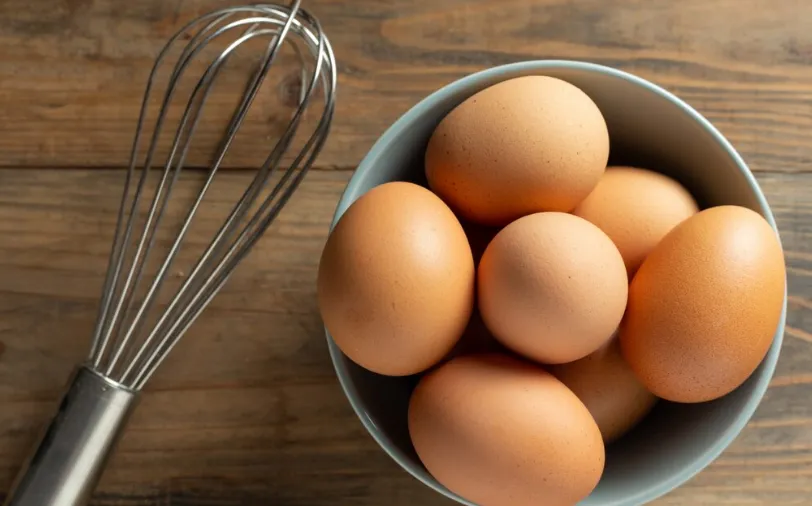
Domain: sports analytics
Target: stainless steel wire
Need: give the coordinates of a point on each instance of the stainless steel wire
(125, 347)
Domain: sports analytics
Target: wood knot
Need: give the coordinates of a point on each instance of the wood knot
(290, 88)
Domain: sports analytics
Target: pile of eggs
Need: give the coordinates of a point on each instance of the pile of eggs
(547, 300)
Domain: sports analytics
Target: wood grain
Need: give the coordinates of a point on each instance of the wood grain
(72, 71)
(247, 411)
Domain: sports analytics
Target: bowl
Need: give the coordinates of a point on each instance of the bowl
(648, 127)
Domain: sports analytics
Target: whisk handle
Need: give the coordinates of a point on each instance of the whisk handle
(68, 461)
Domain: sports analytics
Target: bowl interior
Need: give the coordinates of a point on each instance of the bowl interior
(649, 128)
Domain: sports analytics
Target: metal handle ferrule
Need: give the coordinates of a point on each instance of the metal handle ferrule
(68, 461)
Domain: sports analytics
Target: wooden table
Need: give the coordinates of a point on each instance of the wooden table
(247, 410)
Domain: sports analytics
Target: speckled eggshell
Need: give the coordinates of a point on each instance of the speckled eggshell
(396, 280)
(499, 431)
(636, 208)
(705, 304)
(524, 145)
(606, 385)
(552, 287)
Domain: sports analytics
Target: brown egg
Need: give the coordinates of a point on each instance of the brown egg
(521, 146)
(499, 431)
(552, 287)
(396, 280)
(705, 304)
(636, 208)
(608, 388)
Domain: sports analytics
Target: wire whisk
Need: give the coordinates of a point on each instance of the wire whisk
(128, 346)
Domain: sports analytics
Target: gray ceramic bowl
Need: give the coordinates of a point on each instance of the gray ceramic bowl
(650, 127)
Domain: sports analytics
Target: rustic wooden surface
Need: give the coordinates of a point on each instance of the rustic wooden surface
(247, 411)
(72, 71)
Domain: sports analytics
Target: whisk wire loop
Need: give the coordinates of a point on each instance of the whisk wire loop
(115, 350)
(251, 232)
(205, 85)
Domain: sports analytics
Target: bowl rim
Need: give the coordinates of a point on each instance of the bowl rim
(425, 105)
